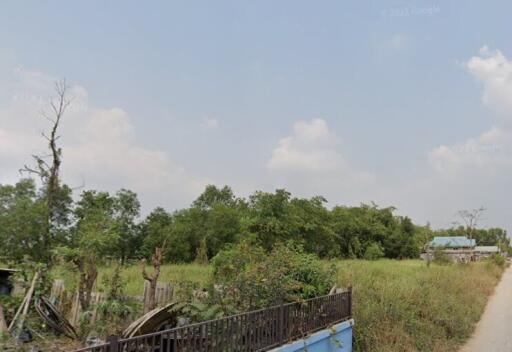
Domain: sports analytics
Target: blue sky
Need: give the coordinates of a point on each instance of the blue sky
(357, 101)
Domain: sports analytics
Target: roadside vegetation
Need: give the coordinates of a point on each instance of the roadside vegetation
(263, 249)
(398, 305)
(404, 306)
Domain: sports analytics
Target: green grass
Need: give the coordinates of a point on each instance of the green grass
(405, 306)
(398, 305)
(176, 274)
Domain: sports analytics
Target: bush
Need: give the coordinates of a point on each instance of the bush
(497, 260)
(202, 253)
(373, 252)
(114, 311)
(440, 257)
(10, 304)
(250, 279)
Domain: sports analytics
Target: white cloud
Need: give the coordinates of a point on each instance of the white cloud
(309, 162)
(310, 148)
(209, 123)
(491, 150)
(476, 171)
(397, 41)
(494, 71)
(99, 145)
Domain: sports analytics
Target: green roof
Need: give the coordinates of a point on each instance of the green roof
(452, 242)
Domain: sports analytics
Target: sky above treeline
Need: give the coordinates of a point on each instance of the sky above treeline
(404, 103)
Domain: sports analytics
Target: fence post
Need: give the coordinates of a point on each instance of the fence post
(350, 301)
(280, 324)
(113, 343)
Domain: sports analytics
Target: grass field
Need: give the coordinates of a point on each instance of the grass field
(405, 306)
(175, 273)
(398, 305)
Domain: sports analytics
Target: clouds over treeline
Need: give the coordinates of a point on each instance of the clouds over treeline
(101, 149)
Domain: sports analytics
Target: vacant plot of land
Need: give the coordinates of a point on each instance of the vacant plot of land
(398, 305)
(190, 274)
(405, 306)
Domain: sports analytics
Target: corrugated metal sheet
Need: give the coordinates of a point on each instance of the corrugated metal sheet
(452, 242)
(487, 249)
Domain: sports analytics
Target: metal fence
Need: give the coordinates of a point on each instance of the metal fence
(258, 330)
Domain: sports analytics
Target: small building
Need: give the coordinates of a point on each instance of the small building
(457, 248)
(485, 251)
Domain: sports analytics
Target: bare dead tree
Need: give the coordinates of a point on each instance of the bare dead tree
(156, 261)
(48, 166)
(471, 218)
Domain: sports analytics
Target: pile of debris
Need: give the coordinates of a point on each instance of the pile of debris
(164, 317)
(45, 309)
(54, 318)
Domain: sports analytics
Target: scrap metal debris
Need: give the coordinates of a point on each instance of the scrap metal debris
(54, 318)
(153, 321)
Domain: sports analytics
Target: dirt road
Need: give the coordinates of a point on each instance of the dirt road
(494, 331)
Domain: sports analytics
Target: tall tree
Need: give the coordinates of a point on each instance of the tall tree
(269, 217)
(155, 231)
(22, 214)
(312, 226)
(471, 219)
(213, 195)
(126, 211)
(94, 237)
(48, 169)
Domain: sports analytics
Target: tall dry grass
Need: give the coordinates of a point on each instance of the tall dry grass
(398, 305)
(405, 306)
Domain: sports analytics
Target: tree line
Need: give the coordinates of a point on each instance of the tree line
(102, 225)
(44, 223)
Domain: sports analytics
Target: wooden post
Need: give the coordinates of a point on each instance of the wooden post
(57, 291)
(280, 325)
(74, 313)
(23, 310)
(152, 280)
(350, 300)
(3, 323)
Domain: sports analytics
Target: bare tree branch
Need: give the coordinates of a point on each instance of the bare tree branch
(471, 218)
(49, 171)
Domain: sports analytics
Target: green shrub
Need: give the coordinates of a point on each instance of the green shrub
(115, 310)
(440, 257)
(10, 304)
(250, 279)
(202, 253)
(373, 252)
(497, 260)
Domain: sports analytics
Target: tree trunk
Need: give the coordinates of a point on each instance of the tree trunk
(156, 261)
(151, 303)
(49, 172)
(88, 275)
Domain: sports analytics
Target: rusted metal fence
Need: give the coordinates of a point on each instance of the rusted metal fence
(258, 330)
